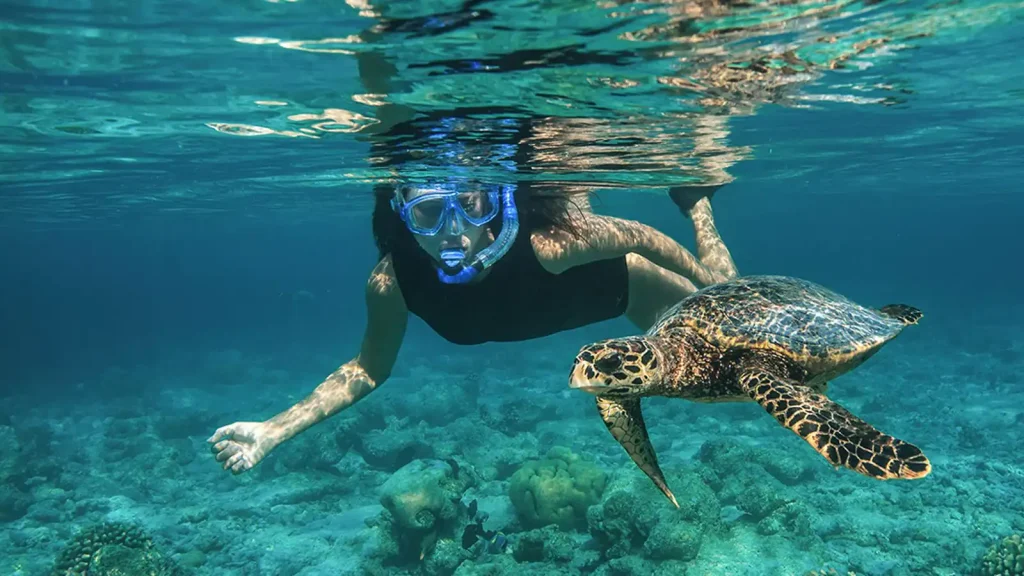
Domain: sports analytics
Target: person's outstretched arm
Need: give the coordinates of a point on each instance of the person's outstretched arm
(241, 445)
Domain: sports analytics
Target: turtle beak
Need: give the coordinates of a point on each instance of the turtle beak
(578, 380)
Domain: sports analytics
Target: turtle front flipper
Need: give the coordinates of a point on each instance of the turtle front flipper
(626, 423)
(842, 438)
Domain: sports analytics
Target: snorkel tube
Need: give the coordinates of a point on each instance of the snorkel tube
(466, 271)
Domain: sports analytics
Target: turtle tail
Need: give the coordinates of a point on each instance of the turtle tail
(905, 314)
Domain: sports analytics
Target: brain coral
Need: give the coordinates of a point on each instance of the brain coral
(556, 490)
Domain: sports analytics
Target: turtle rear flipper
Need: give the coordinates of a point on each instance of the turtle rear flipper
(906, 314)
(842, 438)
(626, 423)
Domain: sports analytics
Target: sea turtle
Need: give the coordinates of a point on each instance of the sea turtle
(772, 339)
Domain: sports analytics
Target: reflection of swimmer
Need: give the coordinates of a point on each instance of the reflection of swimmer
(726, 80)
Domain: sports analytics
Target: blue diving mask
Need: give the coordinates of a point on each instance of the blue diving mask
(429, 213)
(446, 207)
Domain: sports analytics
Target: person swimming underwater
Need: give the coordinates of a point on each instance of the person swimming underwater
(467, 254)
(499, 251)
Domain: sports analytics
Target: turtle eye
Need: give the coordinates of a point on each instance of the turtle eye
(609, 363)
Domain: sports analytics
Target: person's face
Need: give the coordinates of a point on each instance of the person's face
(457, 231)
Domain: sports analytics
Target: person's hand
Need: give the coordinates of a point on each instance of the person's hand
(241, 445)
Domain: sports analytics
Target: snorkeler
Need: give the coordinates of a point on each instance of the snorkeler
(526, 263)
(525, 260)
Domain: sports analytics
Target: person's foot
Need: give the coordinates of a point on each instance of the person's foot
(685, 197)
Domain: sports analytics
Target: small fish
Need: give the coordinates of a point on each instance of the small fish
(455, 467)
(497, 543)
(470, 535)
(472, 509)
(427, 545)
(495, 540)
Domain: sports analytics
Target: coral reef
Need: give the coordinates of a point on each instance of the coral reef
(118, 560)
(517, 415)
(1005, 558)
(14, 501)
(422, 514)
(556, 490)
(113, 549)
(757, 483)
(436, 405)
(395, 446)
(385, 490)
(550, 547)
(632, 518)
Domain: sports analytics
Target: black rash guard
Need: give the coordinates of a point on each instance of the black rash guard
(517, 300)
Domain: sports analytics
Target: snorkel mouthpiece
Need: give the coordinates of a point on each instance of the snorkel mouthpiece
(453, 257)
(487, 257)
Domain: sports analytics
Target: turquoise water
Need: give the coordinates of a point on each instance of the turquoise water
(185, 237)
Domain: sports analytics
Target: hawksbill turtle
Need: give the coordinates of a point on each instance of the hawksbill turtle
(775, 340)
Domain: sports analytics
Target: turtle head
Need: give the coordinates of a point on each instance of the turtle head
(621, 367)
